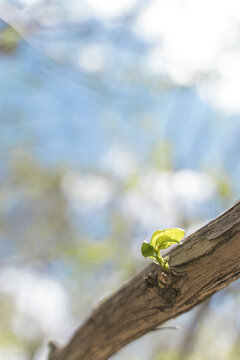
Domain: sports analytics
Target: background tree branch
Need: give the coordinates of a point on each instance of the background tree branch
(206, 262)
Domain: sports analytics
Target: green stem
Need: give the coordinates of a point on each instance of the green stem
(163, 263)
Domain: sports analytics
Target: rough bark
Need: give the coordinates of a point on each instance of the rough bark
(206, 262)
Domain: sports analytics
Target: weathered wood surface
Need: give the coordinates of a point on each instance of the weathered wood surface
(206, 262)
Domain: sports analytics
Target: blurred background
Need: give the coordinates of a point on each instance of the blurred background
(116, 118)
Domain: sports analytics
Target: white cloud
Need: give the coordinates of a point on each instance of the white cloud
(37, 297)
(151, 201)
(192, 32)
(193, 186)
(28, 2)
(87, 192)
(119, 161)
(192, 37)
(159, 197)
(223, 89)
(91, 58)
(110, 8)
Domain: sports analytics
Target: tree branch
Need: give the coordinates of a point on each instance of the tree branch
(206, 262)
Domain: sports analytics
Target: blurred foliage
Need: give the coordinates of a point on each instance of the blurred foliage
(224, 187)
(34, 202)
(9, 40)
(162, 155)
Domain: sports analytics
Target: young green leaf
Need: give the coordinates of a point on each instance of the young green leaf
(147, 249)
(162, 239)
